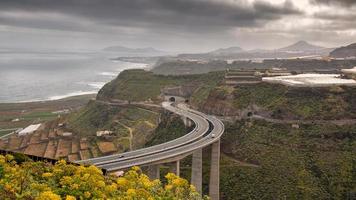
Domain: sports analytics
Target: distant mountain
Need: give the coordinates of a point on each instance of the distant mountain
(344, 52)
(226, 51)
(301, 46)
(298, 49)
(125, 51)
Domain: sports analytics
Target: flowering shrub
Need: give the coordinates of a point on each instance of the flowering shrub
(44, 181)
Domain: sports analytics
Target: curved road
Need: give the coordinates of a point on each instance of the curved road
(208, 130)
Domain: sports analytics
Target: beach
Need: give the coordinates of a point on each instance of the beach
(28, 77)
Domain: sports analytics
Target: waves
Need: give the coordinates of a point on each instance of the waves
(46, 77)
(109, 74)
(71, 95)
(97, 85)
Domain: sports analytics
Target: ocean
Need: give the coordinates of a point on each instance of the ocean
(28, 77)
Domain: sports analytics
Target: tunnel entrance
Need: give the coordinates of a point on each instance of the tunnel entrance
(172, 99)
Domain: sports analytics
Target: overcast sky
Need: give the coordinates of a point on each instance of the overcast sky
(175, 25)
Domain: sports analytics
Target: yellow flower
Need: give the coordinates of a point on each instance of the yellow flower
(75, 186)
(168, 187)
(192, 188)
(9, 157)
(87, 194)
(122, 182)
(177, 182)
(62, 162)
(94, 170)
(131, 192)
(69, 197)
(9, 188)
(66, 180)
(57, 171)
(170, 176)
(2, 159)
(100, 183)
(47, 174)
(135, 168)
(111, 188)
(48, 195)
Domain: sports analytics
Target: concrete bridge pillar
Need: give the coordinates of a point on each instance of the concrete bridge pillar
(175, 167)
(153, 172)
(214, 171)
(187, 122)
(197, 170)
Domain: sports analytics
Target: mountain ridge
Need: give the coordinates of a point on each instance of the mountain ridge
(344, 52)
(228, 50)
(301, 46)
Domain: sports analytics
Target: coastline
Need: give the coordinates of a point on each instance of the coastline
(83, 80)
(20, 115)
(53, 101)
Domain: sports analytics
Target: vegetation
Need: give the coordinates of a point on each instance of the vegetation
(170, 128)
(183, 67)
(260, 160)
(131, 126)
(36, 112)
(148, 86)
(99, 116)
(43, 181)
(284, 102)
(312, 162)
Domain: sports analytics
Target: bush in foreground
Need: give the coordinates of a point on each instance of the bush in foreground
(43, 181)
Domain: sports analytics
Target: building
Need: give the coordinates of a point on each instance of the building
(237, 77)
(30, 129)
(67, 134)
(102, 133)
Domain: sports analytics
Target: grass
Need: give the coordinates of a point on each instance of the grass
(2, 133)
(171, 127)
(287, 102)
(140, 85)
(37, 112)
(312, 162)
(98, 116)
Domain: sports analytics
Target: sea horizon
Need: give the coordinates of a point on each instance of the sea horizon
(33, 77)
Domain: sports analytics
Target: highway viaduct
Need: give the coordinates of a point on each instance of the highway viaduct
(207, 132)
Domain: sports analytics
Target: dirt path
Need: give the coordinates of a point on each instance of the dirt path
(240, 163)
(130, 133)
(114, 102)
(339, 122)
(147, 110)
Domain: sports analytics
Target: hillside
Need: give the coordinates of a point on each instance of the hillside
(140, 85)
(280, 142)
(301, 46)
(298, 49)
(132, 126)
(276, 161)
(226, 51)
(183, 67)
(282, 102)
(344, 52)
(304, 149)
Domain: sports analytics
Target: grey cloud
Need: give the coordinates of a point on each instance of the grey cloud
(186, 14)
(347, 17)
(334, 2)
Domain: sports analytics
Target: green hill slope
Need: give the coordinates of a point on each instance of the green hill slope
(140, 85)
(281, 102)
